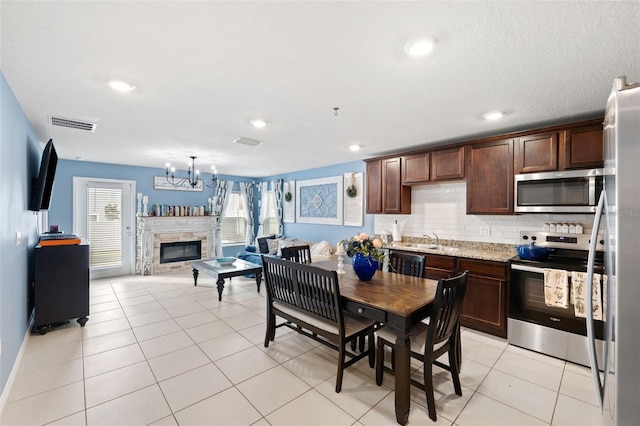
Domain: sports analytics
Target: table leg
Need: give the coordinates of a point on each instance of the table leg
(258, 280)
(195, 277)
(403, 372)
(220, 285)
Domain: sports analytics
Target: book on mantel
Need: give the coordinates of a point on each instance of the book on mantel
(59, 239)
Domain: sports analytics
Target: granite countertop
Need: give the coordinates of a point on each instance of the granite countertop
(469, 249)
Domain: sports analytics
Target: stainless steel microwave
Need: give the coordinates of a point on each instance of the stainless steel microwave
(574, 191)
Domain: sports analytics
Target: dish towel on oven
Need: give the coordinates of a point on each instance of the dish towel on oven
(556, 288)
(578, 294)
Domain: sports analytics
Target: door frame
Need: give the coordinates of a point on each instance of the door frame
(80, 219)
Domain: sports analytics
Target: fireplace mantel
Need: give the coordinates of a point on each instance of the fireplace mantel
(154, 230)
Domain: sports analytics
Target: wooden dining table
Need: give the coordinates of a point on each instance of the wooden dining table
(399, 301)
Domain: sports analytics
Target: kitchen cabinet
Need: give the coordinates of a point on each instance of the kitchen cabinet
(490, 177)
(536, 153)
(385, 192)
(374, 186)
(447, 164)
(437, 267)
(416, 168)
(485, 301)
(582, 148)
(433, 166)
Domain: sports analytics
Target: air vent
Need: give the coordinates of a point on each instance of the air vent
(247, 141)
(72, 124)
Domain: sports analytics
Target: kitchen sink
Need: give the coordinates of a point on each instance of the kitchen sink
(445, 249)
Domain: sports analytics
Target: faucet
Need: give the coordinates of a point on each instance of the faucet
(434, 235)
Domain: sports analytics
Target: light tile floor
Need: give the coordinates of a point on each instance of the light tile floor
(158, 350)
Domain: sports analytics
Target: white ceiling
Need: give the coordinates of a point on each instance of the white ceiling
(202, 70)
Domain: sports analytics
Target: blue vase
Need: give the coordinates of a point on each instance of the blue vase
(364, 266)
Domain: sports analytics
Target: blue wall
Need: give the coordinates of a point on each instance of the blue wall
(61, 211)
(20, 154)
(331, 233)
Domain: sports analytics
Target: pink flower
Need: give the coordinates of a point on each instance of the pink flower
(377, 243)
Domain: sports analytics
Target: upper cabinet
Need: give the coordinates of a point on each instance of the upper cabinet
(433, 166)
(385, 192)
(582, 148)
(490, 177)
(488, 164)
(573, 148)
(447, 164)
(536, 153)
(416, 168)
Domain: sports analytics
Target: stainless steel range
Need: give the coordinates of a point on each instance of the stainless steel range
(534, 325)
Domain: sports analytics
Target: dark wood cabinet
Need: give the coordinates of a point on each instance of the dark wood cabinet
(437, 267)
(416, 168)
(485, 302)
(447, 164)
(374, 186)
(536, 153)
(385, 191)
(61, 284)
(582, 148)
(490, 177)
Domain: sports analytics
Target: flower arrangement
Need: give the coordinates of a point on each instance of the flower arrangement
(366, 245)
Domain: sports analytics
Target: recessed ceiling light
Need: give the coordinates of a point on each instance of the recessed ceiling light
(258, 124)
(121, 86)
(420, 46)
(354, 147)
(493, 115)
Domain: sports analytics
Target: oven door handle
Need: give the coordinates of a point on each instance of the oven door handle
(517, 267)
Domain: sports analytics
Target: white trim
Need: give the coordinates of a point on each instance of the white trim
(14, 370)
(80, 220)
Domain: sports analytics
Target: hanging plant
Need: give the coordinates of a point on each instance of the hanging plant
(287, 195)
(352, 191)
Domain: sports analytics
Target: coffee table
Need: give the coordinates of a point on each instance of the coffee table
(220, 272)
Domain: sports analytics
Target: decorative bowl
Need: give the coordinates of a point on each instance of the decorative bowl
(225, 261)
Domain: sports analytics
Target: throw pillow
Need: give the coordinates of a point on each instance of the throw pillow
(262, 243)
(273, 246)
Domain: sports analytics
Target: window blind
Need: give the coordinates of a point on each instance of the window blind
(104, 226)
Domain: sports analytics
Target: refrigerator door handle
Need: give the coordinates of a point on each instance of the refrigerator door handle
(591, 337)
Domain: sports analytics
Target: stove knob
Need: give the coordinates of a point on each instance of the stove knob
(524, 237)
(601, 242)
(533, 238)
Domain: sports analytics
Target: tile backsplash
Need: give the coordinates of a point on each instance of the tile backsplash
(441, 208)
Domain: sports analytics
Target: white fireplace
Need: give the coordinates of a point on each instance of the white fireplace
(153, 231)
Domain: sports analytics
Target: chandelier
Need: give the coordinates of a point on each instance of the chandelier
(192, 175)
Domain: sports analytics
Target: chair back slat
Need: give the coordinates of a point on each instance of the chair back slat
(407, 264)
(447, 307)
(299, 254)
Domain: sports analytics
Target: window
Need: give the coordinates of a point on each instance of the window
(271, 222)
(234, 225)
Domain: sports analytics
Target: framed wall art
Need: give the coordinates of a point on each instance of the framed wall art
(289, 201)
(353, 200)
(320, 201)
(160, 182)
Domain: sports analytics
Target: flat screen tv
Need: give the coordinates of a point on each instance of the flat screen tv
(42, 185)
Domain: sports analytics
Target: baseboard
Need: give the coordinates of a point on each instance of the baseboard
(14, 370)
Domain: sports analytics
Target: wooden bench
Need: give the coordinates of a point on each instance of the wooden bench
(308, 299)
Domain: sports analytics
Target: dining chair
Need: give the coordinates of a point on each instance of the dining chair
(431, 339)
(308, 299)
(300, 254)
(407, 264)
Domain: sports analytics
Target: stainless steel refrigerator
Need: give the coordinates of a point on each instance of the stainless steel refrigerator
(617, 372)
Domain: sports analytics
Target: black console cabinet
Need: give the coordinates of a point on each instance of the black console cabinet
(61, 285)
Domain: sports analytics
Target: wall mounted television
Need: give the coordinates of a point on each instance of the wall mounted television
(42, 185)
